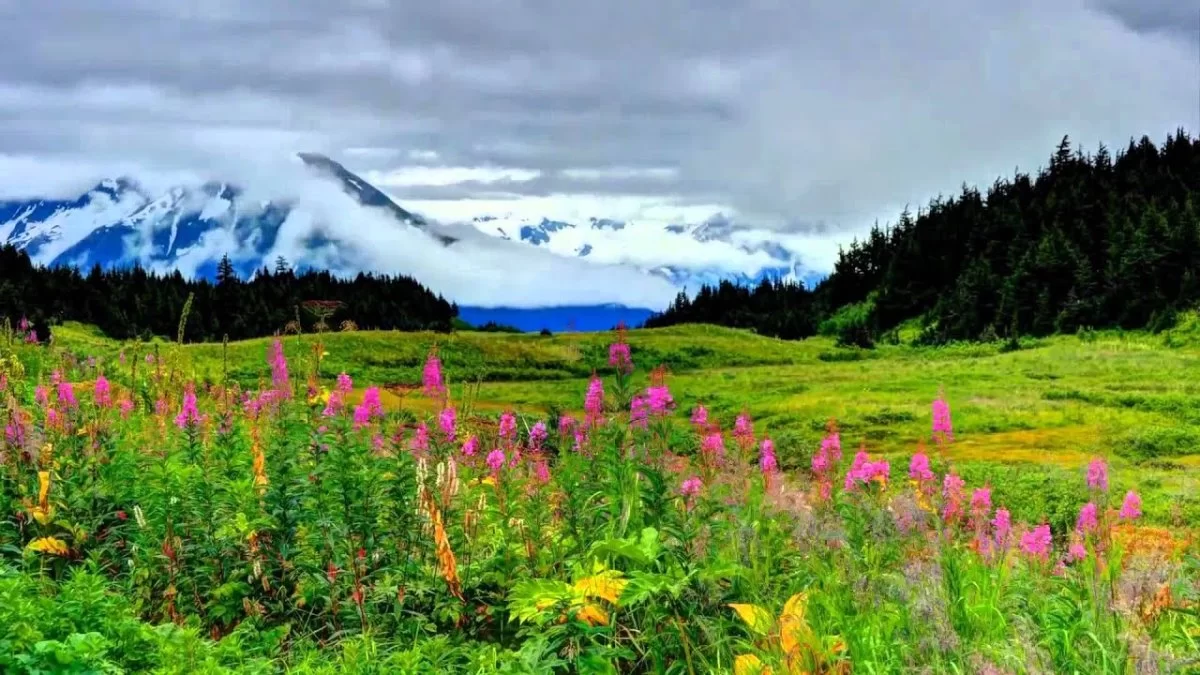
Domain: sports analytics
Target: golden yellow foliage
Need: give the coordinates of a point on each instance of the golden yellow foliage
(445, 555)
(758, 619)
(749, 664)
(51, 545)
(592, 615)
(606, 585)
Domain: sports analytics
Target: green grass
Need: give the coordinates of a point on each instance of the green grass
(1047, 408)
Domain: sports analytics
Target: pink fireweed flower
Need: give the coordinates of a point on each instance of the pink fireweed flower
(713, 447)
(377, 442)
(508, 426)
(1131, 508)
(56, 377)
(580, 438)
(1001, 527)
(767, 462)
(344, 384)
(373, 403)
(691, 487)
(447, 419)
(23, 325)
(639, 410)
(820, 462)
(918, 468)
(420, 441)
(743, 429)
(102, 392)
(189, 415)
(541, 471)
(566, 424)
(432, 382)
(66, 395)
(41, 395)
(831, 445)
(279, 368)
(126, 407)
(334, 405)
(981, 502)
(362, 416)
(700, 416)
(943, 429)
(1076, 550)
(619, 357)
(32, 337)
(659, 400)
(593, 403)
(863, 470)
(538, 435)
(1088, 520)
(952, 494)
(495, 460)
(471, 446)
(1036, 542)
(1097, 475)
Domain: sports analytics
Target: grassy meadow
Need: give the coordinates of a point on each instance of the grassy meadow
(1029, 420)
(379, 502)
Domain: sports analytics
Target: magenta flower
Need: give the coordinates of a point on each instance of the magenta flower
(1131, 508)
(1001, 526)
(952, 494)
(420, 442)
(1076, 551)
(918, 468)
(1097, 475)
(23, 325)
(863, 470)
(1036, 542)
(495, 460)
(471, 446)
(713, 446)
(658, 400)
(447, 420)
(538, 435)
(362, 416)
(102, 392)
(1088, 521)
(372, 402)
(541, 471)
(566, 424)
(767, 461)
(639, 410)
(431, 378)
(189, 415)
(700, 416)
(593, 404)
(334, 405)
(619, 357)
(691, 487)
(279, 369)
(508, 426)
(943, 429)
(832, 446)
(344, 384)
(820, 462)
(981, 502)
(743, 430)
(66, 395)
(126, 407)
(41, 395)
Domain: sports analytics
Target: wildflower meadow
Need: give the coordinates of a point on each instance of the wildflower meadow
(150, 521)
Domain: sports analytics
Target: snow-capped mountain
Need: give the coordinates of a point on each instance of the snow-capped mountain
(188, 228)
(118, 223)
(686, 254)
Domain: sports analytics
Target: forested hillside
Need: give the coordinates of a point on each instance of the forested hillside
(134, 302)
(1091, 240)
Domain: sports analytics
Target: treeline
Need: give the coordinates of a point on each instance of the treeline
(131, 303)
(774, 307)
(1091, 241)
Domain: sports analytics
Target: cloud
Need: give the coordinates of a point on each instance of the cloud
(808, 120)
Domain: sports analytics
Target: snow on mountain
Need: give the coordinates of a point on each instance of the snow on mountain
(686, 254)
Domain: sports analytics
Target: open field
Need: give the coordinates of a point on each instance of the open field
(1051, 406)
(321, 504)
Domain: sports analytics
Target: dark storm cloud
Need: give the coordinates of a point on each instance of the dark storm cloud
(836, 113)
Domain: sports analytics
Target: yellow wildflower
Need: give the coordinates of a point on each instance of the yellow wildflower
(51, 545)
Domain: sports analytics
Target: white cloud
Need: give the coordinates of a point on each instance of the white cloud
(619, 172)
(446, 175)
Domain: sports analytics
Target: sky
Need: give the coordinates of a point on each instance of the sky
(810, 120)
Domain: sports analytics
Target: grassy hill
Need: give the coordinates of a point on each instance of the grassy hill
(1029, 419)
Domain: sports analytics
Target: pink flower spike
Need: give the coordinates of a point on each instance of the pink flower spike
(1131, 508)
(508, 426)
(918, 468)
(1036, 542)
(432, 382)
(700, 416)
(767, 461)
(1088, 521)
(495, 460)
(471, 446)
(691, 487)
(446, 422)
(538, 435)
(943, 429)
(1097, 475)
